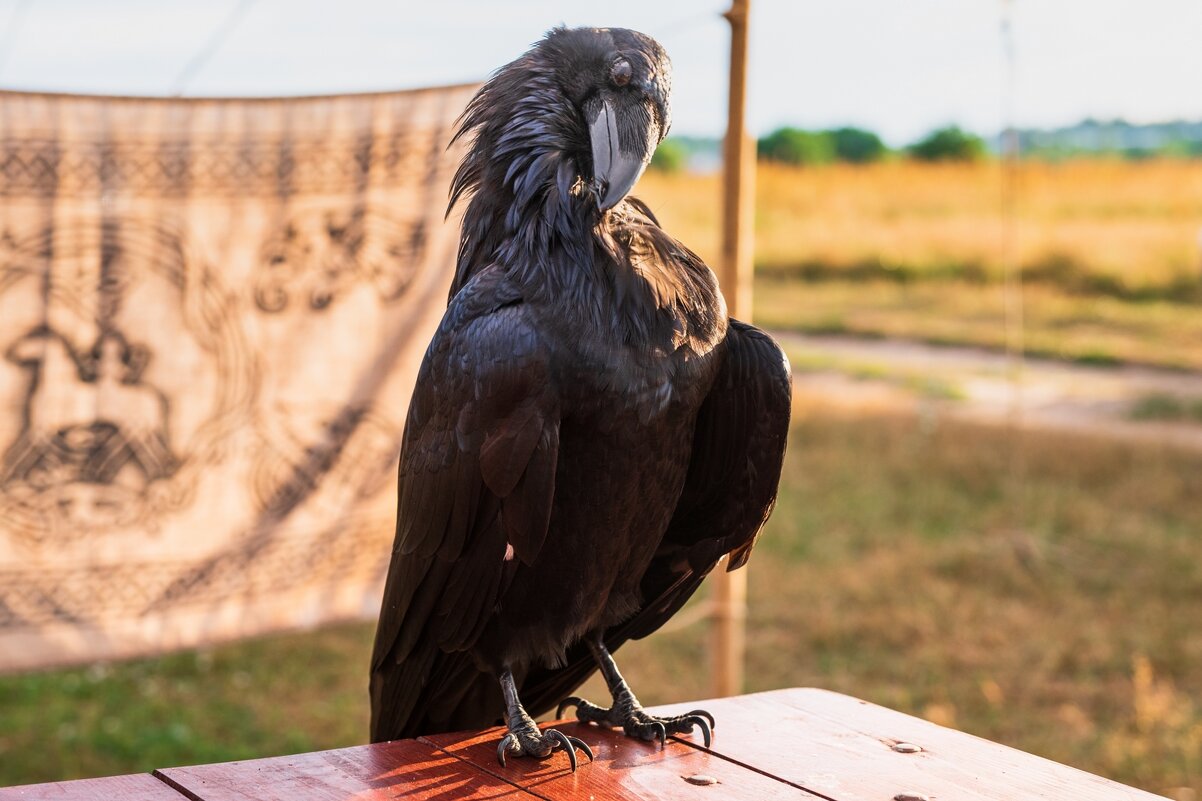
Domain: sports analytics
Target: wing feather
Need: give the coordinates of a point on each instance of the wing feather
(480, 446)
(526, 511)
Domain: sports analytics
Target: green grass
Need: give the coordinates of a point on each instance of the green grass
(1098, 331)
(1011, 586)
(1159, 406)
(275, 695)
(1043, 591)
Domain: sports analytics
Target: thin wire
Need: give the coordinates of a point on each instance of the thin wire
(214, 43)
(15, 20)
(1015, 345)
(1013, 287)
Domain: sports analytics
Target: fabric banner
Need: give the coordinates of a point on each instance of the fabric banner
(211, 316)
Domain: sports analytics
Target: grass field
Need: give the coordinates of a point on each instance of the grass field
(1042, 591)
(1109, 252)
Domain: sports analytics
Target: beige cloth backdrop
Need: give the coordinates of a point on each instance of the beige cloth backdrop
(211, 315)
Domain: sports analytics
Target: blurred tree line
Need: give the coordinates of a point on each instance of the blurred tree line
(858, 146)
(797, 146)
(855, 145)
(1089, 138)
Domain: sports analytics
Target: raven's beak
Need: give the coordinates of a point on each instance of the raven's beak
(615, 170)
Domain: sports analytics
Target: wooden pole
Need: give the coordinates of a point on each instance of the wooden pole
(738, 175)
(728, 629)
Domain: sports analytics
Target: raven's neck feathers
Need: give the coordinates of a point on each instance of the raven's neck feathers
(516, 155)
(529, 210)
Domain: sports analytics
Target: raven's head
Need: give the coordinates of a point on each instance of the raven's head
(558, 137)
(618, 82)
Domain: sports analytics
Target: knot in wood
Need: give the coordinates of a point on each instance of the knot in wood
(700, 779)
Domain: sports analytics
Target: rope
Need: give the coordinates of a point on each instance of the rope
(214, 43)
(15, 20)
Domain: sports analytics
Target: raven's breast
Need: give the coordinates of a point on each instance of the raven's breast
(623, 458)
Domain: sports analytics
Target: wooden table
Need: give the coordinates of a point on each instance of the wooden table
(797, 744)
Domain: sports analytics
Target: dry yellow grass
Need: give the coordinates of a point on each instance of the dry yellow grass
(1136, 221)
(1110, 252)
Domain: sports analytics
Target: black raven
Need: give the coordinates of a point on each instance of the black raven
(589, 434)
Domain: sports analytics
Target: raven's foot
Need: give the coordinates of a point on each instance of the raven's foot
(637, 722)
(627, 713)
(525, 739)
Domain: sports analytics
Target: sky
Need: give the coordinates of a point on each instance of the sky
(899, 68)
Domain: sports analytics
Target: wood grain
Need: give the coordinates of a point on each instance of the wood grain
(136, 787)
(843, 748)
(623, 770)
(406, 769)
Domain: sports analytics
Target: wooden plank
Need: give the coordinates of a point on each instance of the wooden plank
(623, 769)
(135, 787)
(844, 749)
(797, 744)
(403, 769)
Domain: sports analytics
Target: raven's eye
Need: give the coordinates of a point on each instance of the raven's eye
(620, 72)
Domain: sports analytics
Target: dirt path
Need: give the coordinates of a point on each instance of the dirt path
(971, 383)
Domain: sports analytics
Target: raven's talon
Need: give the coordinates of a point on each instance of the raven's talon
(509, 741)
(704, 714)
(570, 744)
(704, 725)
(583, 746)
(571, 700)
(646, 728)
(586, 711)
(563, 742)
(532, 742)
(662, 732)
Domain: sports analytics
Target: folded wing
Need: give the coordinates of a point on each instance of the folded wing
(734, 470)
(477, 475)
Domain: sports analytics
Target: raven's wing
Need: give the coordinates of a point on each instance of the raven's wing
(477, 472)
(734, 470)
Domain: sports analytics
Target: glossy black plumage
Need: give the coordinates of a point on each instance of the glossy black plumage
(589, 434)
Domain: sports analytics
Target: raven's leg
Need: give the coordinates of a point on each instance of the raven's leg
(524, 737)
(627, 712)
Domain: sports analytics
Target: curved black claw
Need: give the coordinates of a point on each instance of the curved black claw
(566, 744)
(510, 740)
(662, 734)
(706, 715)
(533, 743)
(583, 746)
(571, 700)
(703, 724)
(570, 744)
